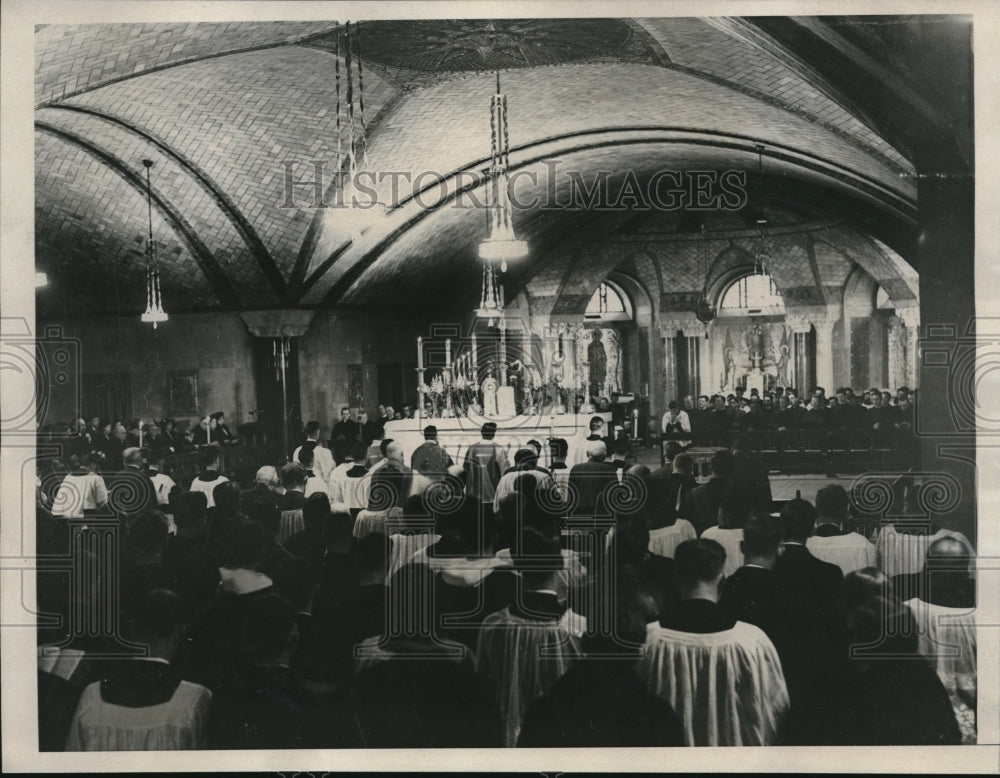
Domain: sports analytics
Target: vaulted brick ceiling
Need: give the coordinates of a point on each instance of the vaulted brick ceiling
(229, 113)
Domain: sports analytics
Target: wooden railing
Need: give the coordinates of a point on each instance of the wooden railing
(239, 463)
(800, 452)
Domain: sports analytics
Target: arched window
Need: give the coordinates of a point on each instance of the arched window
(609, 302)
(753, 293)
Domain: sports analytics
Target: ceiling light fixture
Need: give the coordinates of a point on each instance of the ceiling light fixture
(762, 251)
(502, 244)
(154, 301)
(357, 207)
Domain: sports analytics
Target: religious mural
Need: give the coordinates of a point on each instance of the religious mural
(754, 354)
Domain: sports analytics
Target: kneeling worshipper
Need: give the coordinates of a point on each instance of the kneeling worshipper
(347, 483)
(82, 492)
(722, 677)
(944, 610)
(812, 667)
(386, 496)
(531, 508)
(902, 547)
(211, 642)
(601, 701)
(414, 688)
(893, 695)
(141, 703)
(265, 703)
(829, 542)
(469, 581)
(525, 647)
(734, 510)
(206, 481)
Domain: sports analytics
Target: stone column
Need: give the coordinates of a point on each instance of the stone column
(947, 419)
(897, 354)
(582, 378)
(824, 355)
(281, 326)
(799, 370)
(694, 365)
(668, 332)
(910, 317)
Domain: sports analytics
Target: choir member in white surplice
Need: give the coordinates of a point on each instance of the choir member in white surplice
(722, 677)
(527, 646)
(734, 510)
(829, 542)
(141, 704)
(944, 609)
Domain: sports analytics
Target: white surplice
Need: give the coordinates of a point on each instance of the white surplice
(727, 687)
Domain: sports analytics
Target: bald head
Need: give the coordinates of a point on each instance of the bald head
(639, 471)
(267, 476)
(597, 451)
(394, 451)
(947, 554)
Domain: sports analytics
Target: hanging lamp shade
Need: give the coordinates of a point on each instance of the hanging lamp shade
(502, 244)
(154, 313)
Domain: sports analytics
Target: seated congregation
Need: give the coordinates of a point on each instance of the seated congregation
(384, 606)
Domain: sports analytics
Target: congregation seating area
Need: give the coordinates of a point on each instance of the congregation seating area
(432, 617)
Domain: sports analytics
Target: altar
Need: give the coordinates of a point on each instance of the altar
(456, 434)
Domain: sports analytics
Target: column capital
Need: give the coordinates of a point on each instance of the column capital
(909, 315)
(541, 326)
(800, 323)
(291, 323)
(688, 325)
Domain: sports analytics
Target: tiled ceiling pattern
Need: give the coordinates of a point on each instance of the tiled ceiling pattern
(447, 126)
(72, 58)
(171, 180)
(224, 109)
(93, 230)
(240, 119)
(722, 48)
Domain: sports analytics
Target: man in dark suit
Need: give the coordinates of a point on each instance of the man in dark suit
(266, 704)
(705, 499)
(750, 475)
(601, 701)
(797, 570)
(343, 435)
(751, 593)
(944, 579)
(673, 484)
(590, 481)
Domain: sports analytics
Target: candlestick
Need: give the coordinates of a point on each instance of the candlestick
(420, 353)
(140, 434)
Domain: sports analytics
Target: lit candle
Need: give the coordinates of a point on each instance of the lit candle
(140, 433)
(475, 356)
(208, 432)
(420, 353)
(447, 353)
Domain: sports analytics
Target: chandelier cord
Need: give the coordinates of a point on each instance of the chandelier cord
(491, 204)
(340, 161)
(505, 164)
(150, 249)
(350, 100)
(361, 99)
